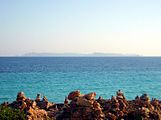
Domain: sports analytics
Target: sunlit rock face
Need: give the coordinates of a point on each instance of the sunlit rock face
(79, 106)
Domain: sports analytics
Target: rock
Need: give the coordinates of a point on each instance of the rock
(120, 95)
(45, 99)
(44, 105)
(30, 103)
(21, 96)
(145, 97)
(100, 98)
(81, 101)
(114, 100)
(111, 116)
(73, 95)
(5, 104)
(90, 96)
(38, 98)
(66, 101)
(85, 107)
(96, 106)
(37, 114)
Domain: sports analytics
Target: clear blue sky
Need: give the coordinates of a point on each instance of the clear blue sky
(80, 26)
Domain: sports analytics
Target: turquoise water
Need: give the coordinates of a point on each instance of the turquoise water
(56, 77)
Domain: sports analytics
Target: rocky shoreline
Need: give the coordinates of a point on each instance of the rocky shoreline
(79, 106)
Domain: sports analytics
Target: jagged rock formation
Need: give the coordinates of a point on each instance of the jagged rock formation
(79, 106)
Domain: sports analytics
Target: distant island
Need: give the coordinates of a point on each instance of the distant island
(95, 54)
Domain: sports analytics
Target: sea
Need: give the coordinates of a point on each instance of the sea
(56, 77)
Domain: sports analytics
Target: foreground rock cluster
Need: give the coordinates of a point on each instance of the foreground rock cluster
(79, 106)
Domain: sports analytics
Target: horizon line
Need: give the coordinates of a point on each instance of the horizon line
(70, 54)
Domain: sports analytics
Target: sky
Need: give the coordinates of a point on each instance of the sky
(80, 26)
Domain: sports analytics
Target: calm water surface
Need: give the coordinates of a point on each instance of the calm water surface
(55, 77)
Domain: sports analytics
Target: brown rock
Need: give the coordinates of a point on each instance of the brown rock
(96, 106)
(21, 96)
(145, 97)
(38, 98)
(90, 96)
(73, 95)
(84, 102)
(37, 114)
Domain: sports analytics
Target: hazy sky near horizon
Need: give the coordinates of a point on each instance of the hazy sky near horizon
(80, 26)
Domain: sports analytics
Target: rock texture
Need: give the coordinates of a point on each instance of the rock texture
(79, 106)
